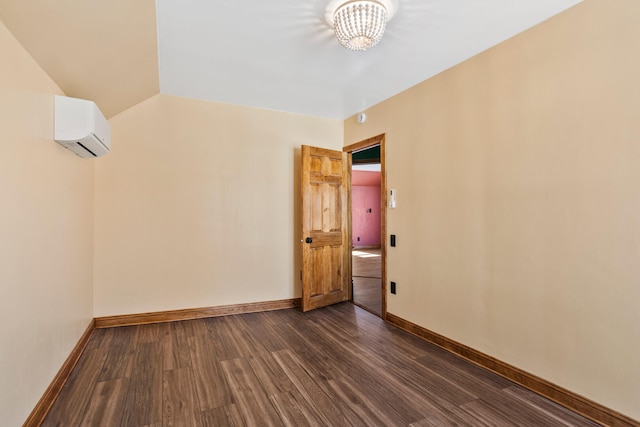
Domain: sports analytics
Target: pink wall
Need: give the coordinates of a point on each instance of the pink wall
(365, 225)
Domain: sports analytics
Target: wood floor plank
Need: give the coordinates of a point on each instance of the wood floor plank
(224, 343)
(308, 347)
(150, 332)
(339, 365)
(265, 337)
(234, 414)
(176, 347)
(221, 417)
(253, 403)
(119, 361)
(344, 407)
(213, 323)
(463, 420)
(372, 329)
(71, 405)
(427, 382)
(180, 401)
(370, 411)
(325, 321)
(236, 321)
(271, 376)
(356, 362)
(268, 318)
(561, 415)
(487, 414)
(143, 403)
(229, 339)
(455, 419)
(294, 410)
(210, 381)
(403, 403)
(278, 317)
(476, 378)
(359, 365)
(107, 399)
(307, 386)
(191, 328)
(522, 414)
(390, 344)
(430, 384)
(100, 338)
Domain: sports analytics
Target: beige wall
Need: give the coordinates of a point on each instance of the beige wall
(45, 236)
(518, 191)
(196, 205)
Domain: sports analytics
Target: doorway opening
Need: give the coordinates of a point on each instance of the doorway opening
(367, 193)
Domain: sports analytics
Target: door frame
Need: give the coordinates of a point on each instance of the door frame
(349, 149)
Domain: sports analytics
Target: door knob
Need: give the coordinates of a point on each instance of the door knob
(308, 240)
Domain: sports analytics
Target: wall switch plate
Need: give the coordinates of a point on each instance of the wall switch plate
(393, 288)
(393, 240)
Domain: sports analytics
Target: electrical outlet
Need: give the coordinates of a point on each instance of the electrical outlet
(393, 288)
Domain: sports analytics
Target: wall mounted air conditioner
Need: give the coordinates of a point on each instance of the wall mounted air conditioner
(81, 127)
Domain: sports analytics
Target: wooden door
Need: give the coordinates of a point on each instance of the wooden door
(326, 264)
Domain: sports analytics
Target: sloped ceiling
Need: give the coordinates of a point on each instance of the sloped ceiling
(101, 50)
(276, 54)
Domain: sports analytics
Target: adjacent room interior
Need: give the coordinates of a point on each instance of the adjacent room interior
(366, 254)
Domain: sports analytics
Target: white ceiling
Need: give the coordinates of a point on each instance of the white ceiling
(281, 55)
(275, 54)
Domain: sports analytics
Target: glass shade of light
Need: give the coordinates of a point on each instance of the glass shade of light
(360, 24)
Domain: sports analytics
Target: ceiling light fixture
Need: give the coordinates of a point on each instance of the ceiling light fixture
(360, 24)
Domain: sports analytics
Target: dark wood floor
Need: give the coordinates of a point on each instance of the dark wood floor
(337, 366)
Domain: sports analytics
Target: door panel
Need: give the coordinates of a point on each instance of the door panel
(326, 267)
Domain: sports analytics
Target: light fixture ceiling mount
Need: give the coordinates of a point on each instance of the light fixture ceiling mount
(359, 24)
